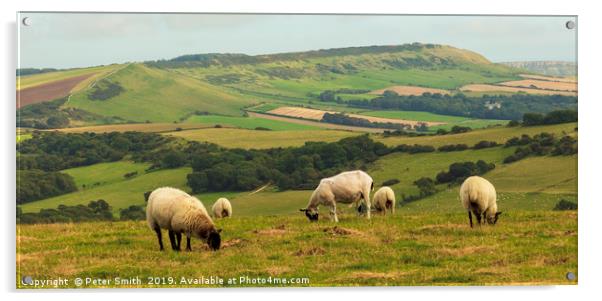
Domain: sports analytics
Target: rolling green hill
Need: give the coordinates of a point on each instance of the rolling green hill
(151, 94)
(302, 76)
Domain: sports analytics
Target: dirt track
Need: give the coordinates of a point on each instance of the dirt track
(48, 91)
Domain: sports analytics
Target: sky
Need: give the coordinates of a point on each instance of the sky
(67, 40)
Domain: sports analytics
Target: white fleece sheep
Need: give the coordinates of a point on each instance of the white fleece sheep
(347, 187)
(384, 199)
(222, 208)
(478, 196)
(178, 212)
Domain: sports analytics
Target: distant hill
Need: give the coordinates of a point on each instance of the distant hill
(550, 68)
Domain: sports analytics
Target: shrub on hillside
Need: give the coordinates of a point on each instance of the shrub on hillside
(565, 205)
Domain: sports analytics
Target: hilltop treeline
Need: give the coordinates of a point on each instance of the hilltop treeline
(30, 71)
(228, 59)
(511, 107)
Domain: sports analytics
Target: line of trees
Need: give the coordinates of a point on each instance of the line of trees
(344, 119)
(541, 145)
(511, 107)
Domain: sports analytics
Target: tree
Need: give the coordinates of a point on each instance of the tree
(174, 159)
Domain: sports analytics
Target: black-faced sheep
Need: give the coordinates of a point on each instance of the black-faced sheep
(384, 199)
(222, 208)
(478, 196)
(347, 187)
(178, 212)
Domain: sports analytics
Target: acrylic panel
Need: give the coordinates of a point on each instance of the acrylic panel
(191, 150)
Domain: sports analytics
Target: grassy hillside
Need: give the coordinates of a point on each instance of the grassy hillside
(104, 173)
(302, 76)
(525, 248)
(159, 96)
(120, 194)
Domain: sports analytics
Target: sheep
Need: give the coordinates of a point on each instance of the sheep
(384, 199)
(178, 212)
(478, 196)
(347, 187)
(222, 208)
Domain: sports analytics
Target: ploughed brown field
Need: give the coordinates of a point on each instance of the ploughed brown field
(314, 114)
(409, 90)
(49, 91)
(542, 84)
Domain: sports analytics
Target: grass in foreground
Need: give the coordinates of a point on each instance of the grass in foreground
(525, 248)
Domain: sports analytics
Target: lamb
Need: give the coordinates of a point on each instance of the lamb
(347, 187)
(178, 212)
(384, 199)
(478, 196)
(222, 208)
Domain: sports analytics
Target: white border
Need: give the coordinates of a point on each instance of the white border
(589, 147)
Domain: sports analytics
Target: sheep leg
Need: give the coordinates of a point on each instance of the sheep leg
(366, 197)
(158, 231)
(478, 219)
(333, 213)
(470, 218)
(172, 240)
(179, 240)
(188, 248)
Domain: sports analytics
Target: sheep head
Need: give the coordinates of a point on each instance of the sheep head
(311, 214)
(492, 219)
(214, 240)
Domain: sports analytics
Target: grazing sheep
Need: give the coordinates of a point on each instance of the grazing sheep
(478, 197)
(178, 212)
(222, 208)
(384, 199)
(347, 187)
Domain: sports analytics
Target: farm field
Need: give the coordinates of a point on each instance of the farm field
(242, 138)
(500, 88)
(250, 122)
(449, 121)
(409, 90)
(49, 91)
(313, 114)
(542, 84)
(549, 78)
(497, 134)
(28, 81)
(525, 248)
(316, 124)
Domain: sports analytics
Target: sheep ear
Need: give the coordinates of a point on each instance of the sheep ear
(303, 209)
(498, 213)
(219, 230)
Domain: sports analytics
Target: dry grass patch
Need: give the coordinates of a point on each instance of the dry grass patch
(542, 84)
(495, 88)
